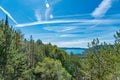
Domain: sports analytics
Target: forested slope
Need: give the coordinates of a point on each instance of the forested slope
(22, 59)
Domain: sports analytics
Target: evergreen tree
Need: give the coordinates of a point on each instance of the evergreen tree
(50, 69)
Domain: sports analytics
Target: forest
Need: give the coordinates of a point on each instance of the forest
(27, 59)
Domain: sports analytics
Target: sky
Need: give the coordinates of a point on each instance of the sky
(65, 23)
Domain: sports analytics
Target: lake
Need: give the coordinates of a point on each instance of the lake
(74, 50)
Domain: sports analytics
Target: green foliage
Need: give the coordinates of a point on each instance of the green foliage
(101, 62)
(19, 57)
(50, 69)
(22, 59)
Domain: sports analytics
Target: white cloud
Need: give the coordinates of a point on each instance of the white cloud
(68, 35)
(83, 43)
(48, 10)
(81, 21)
(51, 16)
(47, 5)
(59, 29)
(55, 2)
(68, 28)
(8, 14)
(104, 6)
(46, 22)
(74, 16)
(75, 43)
(38, 16)
(47, 13)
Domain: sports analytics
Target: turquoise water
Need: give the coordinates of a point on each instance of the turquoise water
(74, 50)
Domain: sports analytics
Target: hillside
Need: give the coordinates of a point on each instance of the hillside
(27, 59)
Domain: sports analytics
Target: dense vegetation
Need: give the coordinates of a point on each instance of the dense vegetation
(22, 59)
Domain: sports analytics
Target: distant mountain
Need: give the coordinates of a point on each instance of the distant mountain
(74, 50)
(84, 53)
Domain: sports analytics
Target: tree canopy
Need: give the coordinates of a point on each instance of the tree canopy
(22, 59)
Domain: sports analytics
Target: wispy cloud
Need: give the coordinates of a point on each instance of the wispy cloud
(83, 43)
(104, 6)
(68, 35)
(68, 28)
(60, 29)
(74, 16)
(49, 6)
(74, 43)
(47, 13)
(84, 21)
(38, 15)
(48, 10)
(8, 14)
(55, 2)
(44, 22)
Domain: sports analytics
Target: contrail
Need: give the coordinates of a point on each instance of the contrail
(44, 22)
(92, 21)
(8, 14)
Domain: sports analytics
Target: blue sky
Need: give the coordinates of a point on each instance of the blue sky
(66, 23)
